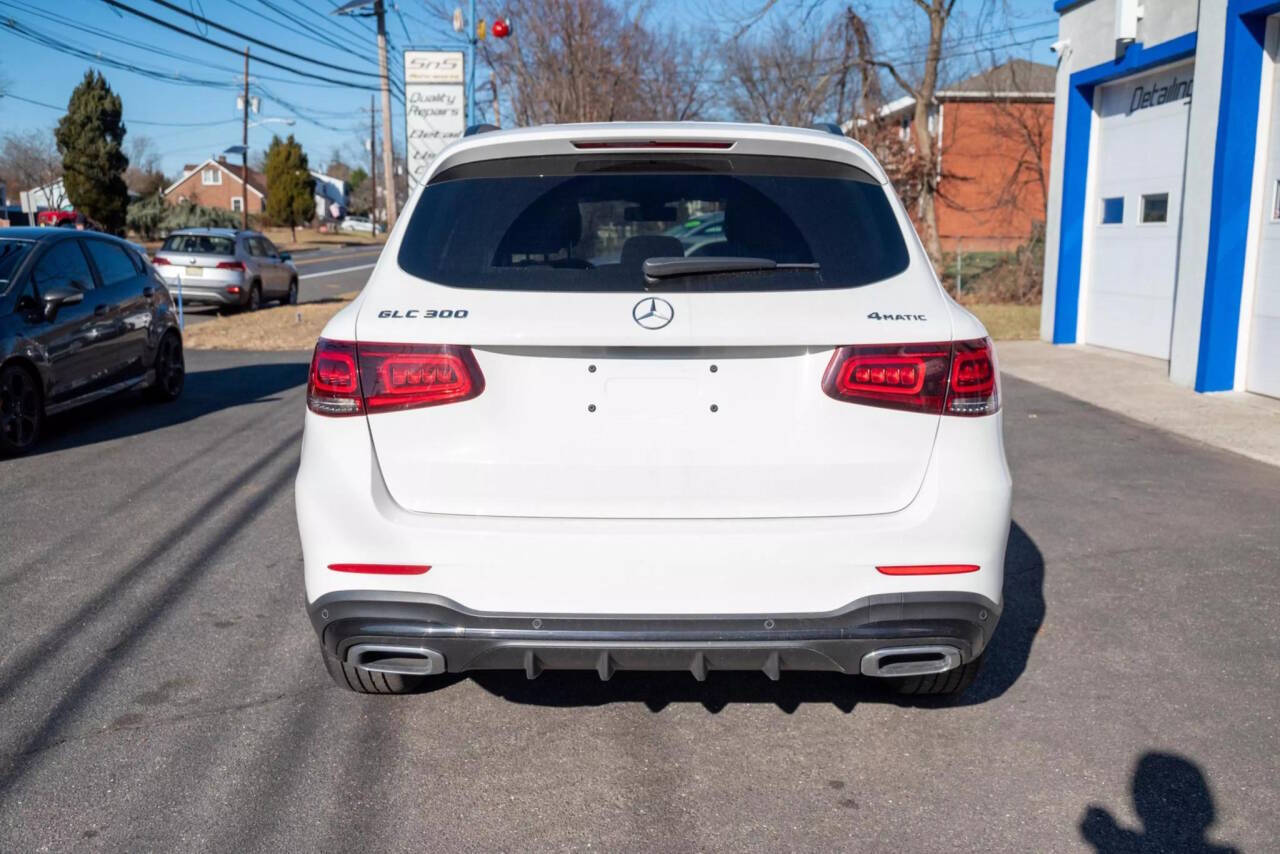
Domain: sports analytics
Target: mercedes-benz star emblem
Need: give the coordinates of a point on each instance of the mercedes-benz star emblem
(653, 313)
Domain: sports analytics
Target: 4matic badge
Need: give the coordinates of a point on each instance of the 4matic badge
(875, 315)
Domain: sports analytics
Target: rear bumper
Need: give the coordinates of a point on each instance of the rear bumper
(425, 634)
(209, 290)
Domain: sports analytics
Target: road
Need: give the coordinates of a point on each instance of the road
(322, 274)
(161, 690)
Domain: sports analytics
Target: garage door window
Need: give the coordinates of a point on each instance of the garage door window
(1113, 210)
(1275, 204)
(1155, 208)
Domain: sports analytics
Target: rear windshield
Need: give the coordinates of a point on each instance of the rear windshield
(199, 244)
(587, 223)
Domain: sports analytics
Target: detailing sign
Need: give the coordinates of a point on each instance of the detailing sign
(435, 105)
(1160, 92)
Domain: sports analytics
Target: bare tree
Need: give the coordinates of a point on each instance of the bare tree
(796, 76)
(143, 175)
(29, 159)
(591, 60)
(922, 89)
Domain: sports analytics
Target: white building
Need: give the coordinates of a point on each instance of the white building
(1163, 232)
(50, 197)
(331, 197)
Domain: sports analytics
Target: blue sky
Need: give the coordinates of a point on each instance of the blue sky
(195, 116)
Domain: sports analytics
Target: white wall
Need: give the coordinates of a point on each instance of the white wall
(1090, 30)
(1197, 195)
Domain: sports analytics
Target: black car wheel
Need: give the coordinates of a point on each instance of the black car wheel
(171, 371)
(21, 410)
(292, 297)
(255, 297)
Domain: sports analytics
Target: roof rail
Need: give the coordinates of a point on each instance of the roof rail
(829, 127)
(472, 130)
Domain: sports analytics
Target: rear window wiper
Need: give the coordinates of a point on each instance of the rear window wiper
(658, 268)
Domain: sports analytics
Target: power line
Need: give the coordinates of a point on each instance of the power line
(258, 42)
(183, 31)
(126, 121)
(95, 55)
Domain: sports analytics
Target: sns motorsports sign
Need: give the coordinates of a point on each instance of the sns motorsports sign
(435, 105)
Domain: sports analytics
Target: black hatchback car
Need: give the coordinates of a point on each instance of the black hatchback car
(82, 315)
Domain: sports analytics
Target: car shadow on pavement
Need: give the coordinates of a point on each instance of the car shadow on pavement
(1172, 799)
(206, 391)
(1006, 660)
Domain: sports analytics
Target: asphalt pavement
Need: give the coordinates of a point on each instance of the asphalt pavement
(161, 688)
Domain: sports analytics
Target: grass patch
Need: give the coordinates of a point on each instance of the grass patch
(1008, 322)
(286, 327)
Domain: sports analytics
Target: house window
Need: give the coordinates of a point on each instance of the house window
(211, 176)
(1113, 210)
(235, 204)
(1155, 207)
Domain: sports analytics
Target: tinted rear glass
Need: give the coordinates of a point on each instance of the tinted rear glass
(587, 223)
(199, 244)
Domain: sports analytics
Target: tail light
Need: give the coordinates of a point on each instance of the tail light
(350, 379)
(233, 289)
(952, 378)
(160, 262)
(231, 265)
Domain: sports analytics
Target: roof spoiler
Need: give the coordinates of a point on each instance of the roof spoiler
(829, 127)
(472, 130)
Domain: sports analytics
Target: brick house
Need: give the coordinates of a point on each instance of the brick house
(996, 131)
(216, 183)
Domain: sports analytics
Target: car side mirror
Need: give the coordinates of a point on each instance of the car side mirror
(286, 256)
(58, 296)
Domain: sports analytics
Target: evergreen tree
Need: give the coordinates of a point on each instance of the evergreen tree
(89, 139)
(290, 187)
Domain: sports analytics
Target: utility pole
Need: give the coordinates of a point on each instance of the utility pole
(244, 154)
(388, 157)
(493, 84)
(470, 91)
(373, 167)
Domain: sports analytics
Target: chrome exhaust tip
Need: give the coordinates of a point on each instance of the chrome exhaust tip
(401, 660)
(910, 661)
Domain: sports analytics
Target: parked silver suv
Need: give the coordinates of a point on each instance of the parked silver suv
(227, 266)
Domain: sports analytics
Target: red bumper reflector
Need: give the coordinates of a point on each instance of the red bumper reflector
(381, 568)
(930, 569)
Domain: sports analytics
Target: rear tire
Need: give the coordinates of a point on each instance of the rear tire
(21, 410)
(954, 681)
(365, 682)
(170, 369)
(255, 298)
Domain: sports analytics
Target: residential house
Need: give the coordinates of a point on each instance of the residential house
(216, 183)
(996, 133)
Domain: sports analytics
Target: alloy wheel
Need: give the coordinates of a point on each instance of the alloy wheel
(19, 408)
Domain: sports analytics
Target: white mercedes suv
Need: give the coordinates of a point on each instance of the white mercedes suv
(543, 436)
